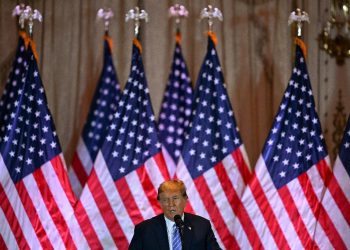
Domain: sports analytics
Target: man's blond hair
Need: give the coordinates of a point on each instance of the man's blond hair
(173, 186)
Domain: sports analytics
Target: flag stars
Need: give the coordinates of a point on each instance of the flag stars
(125, 158)
(285, 162)
(282, 174)
(236, 141)
(53, 145)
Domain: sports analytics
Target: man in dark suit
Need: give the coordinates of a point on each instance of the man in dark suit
(161, 232)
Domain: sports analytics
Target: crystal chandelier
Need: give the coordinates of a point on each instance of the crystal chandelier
(335, 36)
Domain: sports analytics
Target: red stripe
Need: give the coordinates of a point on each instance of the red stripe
(335, 189)
(62, 176)
(340, 198)
(189, 208)
(237, 207)
(2, 243)
(86, 227)
(241, 165)
(106, 211)
(159, 159)
(296, 219)
(12, 220)
(317, 208)
(128, 200)
(149, 189)
(53, 209)
(33, 216)
(227, 239)
(267, 212)
(79, 169)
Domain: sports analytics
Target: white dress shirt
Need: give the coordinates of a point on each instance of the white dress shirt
(169, 229)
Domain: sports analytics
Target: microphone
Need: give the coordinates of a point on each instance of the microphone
(181, 225)
(179, 222)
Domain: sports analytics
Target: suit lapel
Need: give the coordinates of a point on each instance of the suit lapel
(188, 233)
(161, 232)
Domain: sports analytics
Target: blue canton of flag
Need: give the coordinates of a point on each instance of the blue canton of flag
(132, 136)
(176, 108)
(213, 133)
(30, 139)
(344, 152)
(295, 142)
(14, 82)
(103, 106)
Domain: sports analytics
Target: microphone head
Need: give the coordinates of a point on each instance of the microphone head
(178, 221)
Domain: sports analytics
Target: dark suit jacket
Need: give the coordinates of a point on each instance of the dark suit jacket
(152, 234)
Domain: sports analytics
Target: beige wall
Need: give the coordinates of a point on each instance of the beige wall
(255, 48)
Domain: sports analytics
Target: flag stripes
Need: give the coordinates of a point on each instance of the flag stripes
(22, 225)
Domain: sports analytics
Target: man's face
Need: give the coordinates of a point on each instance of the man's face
(172, 203)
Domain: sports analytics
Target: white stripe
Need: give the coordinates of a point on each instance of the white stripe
(169, 162)
(73, 178)
(140, 197)
(303, 206)
(84, 156)
(6, 232)
(321, 238)
(17, 206)
(154, 173)
(342, 177)
(220, 198)
(245, 157)
(234, 174)
(316, 182)
(337, 218)
(278, 206)
(257, 219)
(63, 203)
(241, 237)
(97, 222)
(108, 185)
(42, 212)
(193, 195)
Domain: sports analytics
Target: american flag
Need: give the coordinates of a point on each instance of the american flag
(213, 161)
(14, 82)
(335, 217)
(282, 200)
(122, 188)
(104, 105)
(174, 117)
(35, 195)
